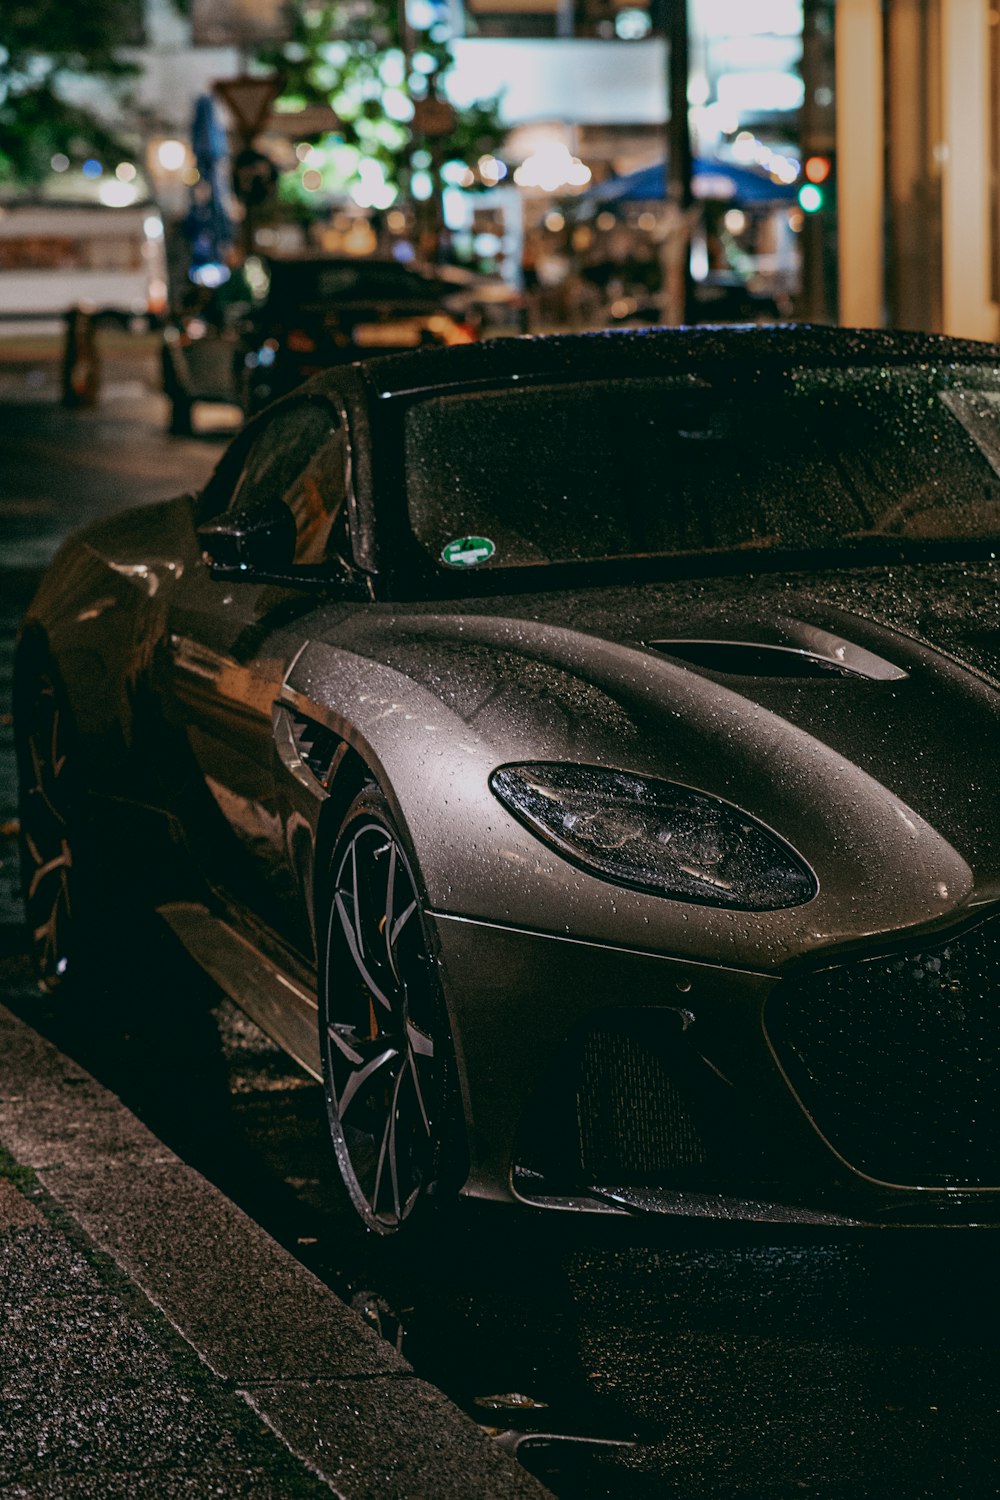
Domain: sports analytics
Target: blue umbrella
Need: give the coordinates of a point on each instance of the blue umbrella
(725, 181)
(208, 225)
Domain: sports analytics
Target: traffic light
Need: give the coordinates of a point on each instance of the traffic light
(818, 172)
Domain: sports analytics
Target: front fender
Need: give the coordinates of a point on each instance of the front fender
(882, 868)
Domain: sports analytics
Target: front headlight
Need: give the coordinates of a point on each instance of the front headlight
(656, 836)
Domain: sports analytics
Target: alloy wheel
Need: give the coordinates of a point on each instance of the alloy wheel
(383, 1071)
(46, 807)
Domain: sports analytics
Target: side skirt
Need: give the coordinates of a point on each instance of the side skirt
(279, 1004)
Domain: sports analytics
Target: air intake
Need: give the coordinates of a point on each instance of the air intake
(754, 659)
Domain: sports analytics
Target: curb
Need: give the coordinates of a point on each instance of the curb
(338, 1396)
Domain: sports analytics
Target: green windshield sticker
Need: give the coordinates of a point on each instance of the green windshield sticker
(467, 551)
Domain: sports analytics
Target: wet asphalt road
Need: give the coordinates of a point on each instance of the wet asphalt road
(723, 1366)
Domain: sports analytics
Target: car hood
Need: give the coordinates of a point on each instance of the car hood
(856, 712)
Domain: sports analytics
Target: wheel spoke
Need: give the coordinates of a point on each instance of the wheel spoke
(46, 939)
(43, 788)
(32, 847)
(61, 861)
(356, 902)
(418, 1092)
(390, 895)
(372, 896)
(387, 1151)
(350, 933)
(351, 1049)
(362, 1069)
(357, 1048)
(393, 1159)
(44, 933)
(401, 923)
(373, 1201)
(56, 760)
(419, 1041)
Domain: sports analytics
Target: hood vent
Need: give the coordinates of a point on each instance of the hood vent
(757, 659)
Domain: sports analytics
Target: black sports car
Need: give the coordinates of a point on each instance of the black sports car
(581, 753)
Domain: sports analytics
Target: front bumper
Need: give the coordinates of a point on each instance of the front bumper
(608, 1080)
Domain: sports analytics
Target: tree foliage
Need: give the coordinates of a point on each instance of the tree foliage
(46, 45)
(361, 59)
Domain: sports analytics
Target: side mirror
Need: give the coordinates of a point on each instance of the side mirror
(258, 540)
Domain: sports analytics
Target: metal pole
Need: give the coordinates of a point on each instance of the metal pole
(812, 302)
(678, 305)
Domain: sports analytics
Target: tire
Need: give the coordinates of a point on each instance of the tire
(384, 1038)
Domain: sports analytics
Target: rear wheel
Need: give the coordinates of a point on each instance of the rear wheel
(93, 939)
(52, 837)
(383, 1032)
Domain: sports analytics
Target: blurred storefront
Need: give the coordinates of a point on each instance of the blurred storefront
(585, 83)
(917, 140)
(585, 99)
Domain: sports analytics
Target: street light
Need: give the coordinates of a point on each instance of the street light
(171, 155)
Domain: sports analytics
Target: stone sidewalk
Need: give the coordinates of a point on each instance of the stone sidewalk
(156, 1342)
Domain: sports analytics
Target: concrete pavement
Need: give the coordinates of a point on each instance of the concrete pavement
(155, 1341)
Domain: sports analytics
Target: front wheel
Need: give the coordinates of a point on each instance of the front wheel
(383, 1032)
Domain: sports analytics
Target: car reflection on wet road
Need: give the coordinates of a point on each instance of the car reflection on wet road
(691, 1362)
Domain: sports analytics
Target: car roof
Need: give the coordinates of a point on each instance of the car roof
(369, 267)
(638, 351)
(355, 262)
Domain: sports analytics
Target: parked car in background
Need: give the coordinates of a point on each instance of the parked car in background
(56, 256)
(580, 752)
(327, 311)
(488, 304)
(316, 312)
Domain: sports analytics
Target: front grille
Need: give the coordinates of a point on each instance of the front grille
(631, 1117)
(897, 1060)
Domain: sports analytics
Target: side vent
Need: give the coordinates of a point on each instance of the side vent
(317, 747)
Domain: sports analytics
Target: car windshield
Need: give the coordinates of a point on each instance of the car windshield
(810, 458)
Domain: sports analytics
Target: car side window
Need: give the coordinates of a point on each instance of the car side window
(301, 461)
(317, 498)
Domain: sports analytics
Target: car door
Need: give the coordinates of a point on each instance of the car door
(229, 646)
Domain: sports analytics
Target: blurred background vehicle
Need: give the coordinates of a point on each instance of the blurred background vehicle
(247, 345)
(489, 304)
(58, 256)
(326, 311)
